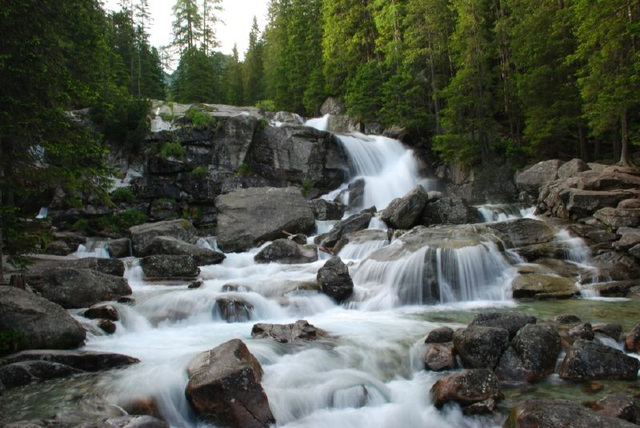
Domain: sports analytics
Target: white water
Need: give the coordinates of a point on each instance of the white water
(89, 250)
(503, 212)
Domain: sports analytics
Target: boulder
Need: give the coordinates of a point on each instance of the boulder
(288, 118)
(466, 387)
(333, 106)
(532, 355)
(88, 361)
(287, 333)
(567, 319)
(523, 232)
(449, 210)
(233, 309)
(480, 347)
(166, 245)
(106, 312)
(440, 335)
(534, 177)
(629, 237)
(39, 272)
(351, 224)
(248, 217)
(335, 280)
(618, 405)
(327, 210)
(589, 360)
(287, 251)
(571, 168)
(439, 356)
(543, 287)
(107, 326)
(613, 331)
(143, 235)
(616, 218)
(511, 321)
(581, 331)
(118, 248)
(28, 372)
(616, 266)
(632, 339)
(614, 288)
(404, 212)
(169, 267)
(558, 413)
(224, 387)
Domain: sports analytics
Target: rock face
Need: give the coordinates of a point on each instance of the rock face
(591, 361)
(286, 333)
(533, 178)
(144, 234)
(169, 267)
(558, 413)
(404, 212)
(335, 280)
(81, 288)
(466, 387)
(278, 210)
(480, 347)
(287, 251)
(354, 223)
(166, 245)
(224, 387)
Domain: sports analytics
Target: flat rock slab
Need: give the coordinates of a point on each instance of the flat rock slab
(287, 333)
(88, 361)
(559, 413)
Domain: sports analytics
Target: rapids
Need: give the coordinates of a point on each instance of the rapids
(366, 372)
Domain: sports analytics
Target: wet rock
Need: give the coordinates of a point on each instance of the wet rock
(351, 224)
(333, 106)
(143, 235)
(88, 361)
(567, 319)
(449, 210)
(534, 177)
(511, 321)
(277, 210)
(439, 356)
(287, 251)
(118, 248)
(629, 237)
(523, 232)
(195, 284)
(483, 407)
(327, 210)
(440, 335)
(365, 236)
(59, 248)
(617, 217)
(28, 372)
(355, 192)
(335, 280)
(80, 288)
(39, 323)
(619, 405)
(126, 422)
(166, 245)
(632, 339)
(613, 331)
(404, 212)
(592, 387)
(235, 288)
(635, 251)
(298, 238)
(558, 413)
(142, 406)
(466, 387)
(614, 288)
(234, 309)
(480, 347)
(532, 253)
(532, 355)
(287, 333)
(169, 267)
(107, 326)
(543, 287)
(581, 331)
(224, 387)
(592, 361)
(106, 312)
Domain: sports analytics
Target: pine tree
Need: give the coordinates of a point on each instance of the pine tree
(234, 79)
(253, 67)
(209, 20)
(187, 26)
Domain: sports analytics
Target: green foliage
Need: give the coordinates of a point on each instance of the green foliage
(123, 121)
(123, 194)
(9, 341)
(199, 171)
(81, 225)
(243, 170)
(199, 119)
(266, 105)
(172, 150)
(253, 68)
(118, 222)
(307, 184)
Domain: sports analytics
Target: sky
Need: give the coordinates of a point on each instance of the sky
(237, 16)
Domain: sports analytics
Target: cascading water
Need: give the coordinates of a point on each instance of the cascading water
(367, 370)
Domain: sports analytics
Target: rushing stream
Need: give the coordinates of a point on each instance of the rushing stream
(366, 372)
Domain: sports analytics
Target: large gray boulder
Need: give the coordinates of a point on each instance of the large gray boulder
(81, 288)
(29, 372)
(591, 361)
(543, 287)
(224, 387)
(404, 212)
(144, 234)
(531, 179)
(559, 413)
(449, 210)
(248, 217)
(38, 322)
(480, 347)
(287, 251)
(334, 279)
(327, 210)
(523, 232)
(40, 270)
(166, 245)
(169, 267)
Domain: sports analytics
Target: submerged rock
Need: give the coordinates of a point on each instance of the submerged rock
(287, 251)
(335, 280)
(327, 210)
(287, 333)
(106, 312)
(37, 322)
(224, 387)
(466, 387)
(619, 405)
(234, 309)
(249, 217)
(440, 356)
(440, 335)
(28, 372)
(88, 361)
(591, 361)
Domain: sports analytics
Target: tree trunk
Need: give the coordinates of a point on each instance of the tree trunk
(624, 137)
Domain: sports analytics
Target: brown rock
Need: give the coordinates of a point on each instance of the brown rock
(439, 356)
(466, 387)
(632, 339)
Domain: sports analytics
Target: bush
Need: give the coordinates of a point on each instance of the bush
(306, 187)
(124, 121)
(172, 150)
(81, 225)
(266, 105)
(198, 119)
(123, 194)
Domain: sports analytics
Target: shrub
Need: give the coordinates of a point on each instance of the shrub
(81, 225)
(200, 171)
(306, 187)
(123, 194)
(266, 105)
(198, 119)
(172, 150)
